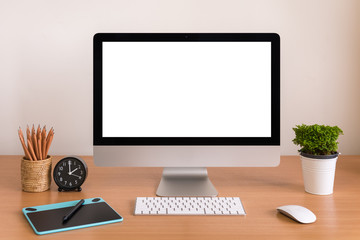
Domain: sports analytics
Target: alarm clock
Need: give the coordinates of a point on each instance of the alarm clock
(70, 173)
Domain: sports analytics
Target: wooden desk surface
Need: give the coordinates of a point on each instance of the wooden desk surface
(260, 189)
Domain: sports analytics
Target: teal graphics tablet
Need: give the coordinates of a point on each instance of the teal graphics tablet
(49, 218)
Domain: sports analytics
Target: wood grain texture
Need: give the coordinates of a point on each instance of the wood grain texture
(260, 189)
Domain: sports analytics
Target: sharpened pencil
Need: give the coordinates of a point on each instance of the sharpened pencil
(35, 145)
(38, 139)
(26, 151)
(49, 143)
(40, 148)
(28, 135)
(49, 134)
(32, 151)
(34, 142)
(43, 137)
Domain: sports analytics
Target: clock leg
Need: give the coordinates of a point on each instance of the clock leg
(59, 189)
(79, 189)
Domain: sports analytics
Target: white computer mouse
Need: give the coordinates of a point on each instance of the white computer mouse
(298, 213)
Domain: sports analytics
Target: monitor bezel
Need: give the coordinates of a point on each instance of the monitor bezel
(99, 38)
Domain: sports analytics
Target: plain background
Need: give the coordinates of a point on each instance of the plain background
(46, 59)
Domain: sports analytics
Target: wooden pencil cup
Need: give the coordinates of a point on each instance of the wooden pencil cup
(36, 175)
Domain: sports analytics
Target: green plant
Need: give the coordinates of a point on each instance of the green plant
(317, 139)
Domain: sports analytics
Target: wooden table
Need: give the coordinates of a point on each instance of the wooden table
(260, 189)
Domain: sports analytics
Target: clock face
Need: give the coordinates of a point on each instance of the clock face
(70, 173)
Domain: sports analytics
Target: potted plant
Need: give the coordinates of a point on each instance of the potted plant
(318, 155)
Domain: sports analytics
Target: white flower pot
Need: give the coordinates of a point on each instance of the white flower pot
(319, 173)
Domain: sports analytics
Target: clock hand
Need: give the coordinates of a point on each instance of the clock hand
(76, 175)
(71, 173)
(69, 163)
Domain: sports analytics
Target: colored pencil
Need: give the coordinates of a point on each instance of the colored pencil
(43, 137)
(49, 134)
(38, 139)
(49, 143)
(26, 151)
(28, 135)
(34, 142)
(40, 152)
(32, 151)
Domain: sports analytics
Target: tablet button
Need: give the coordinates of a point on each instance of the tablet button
(96, 200)
(30, 209)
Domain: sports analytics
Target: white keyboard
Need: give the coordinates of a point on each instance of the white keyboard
(189, 206)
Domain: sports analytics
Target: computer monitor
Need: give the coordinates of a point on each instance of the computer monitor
(186, 101)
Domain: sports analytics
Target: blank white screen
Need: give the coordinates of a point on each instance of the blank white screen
(186, 89)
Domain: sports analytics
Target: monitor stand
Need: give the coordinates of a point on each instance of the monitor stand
(185, 182)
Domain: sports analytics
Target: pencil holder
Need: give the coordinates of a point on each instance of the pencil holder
(36, 175)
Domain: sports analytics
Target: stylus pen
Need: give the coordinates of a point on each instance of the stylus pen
(73, 210)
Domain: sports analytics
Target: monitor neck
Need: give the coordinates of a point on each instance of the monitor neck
(186, 182)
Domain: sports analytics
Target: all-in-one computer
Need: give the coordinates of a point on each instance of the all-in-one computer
(186, 102)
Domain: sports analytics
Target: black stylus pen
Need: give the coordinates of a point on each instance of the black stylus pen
(73, 210)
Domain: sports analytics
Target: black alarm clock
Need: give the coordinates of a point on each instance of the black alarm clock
(70, 173)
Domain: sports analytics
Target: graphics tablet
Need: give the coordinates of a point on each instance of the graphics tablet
(49, 218)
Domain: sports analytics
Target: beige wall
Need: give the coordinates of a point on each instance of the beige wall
(46, 59)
